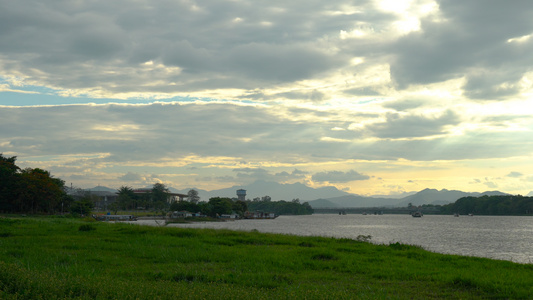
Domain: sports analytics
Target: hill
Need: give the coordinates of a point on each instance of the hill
(426, 196)
(354, 201)
(277, 191)
(100, 188)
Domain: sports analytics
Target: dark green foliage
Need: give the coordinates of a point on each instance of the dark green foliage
(160, 196)
(281, 207)
(29, 190)
(86, 227)
(219, 206)
(127, 200)
(491, 205)
(82, 207)
(185, 205)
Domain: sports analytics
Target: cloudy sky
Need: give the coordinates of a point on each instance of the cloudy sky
(370, 96)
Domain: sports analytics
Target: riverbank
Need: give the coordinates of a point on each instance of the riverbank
(55, 258)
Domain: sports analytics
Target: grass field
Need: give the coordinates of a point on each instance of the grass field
(56, 258)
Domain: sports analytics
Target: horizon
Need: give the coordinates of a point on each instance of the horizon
(397, 196)
(378, 97)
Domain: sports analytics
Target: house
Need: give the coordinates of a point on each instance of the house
(259, 215)
(173, 197)
(180, 214)
(232, 216)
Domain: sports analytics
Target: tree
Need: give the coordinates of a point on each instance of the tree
(239, 207)
(82, 207)
(126, 198)
(219, 206)
(184, 205)
(192, 196)
(266, 198)
(39, 191)
(160, 196)
(9, 181)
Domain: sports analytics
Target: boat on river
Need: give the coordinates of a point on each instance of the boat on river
(417, 214)
(115, 217)
(259, 215)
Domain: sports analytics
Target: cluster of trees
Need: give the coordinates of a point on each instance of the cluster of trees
(157, 198)
(216, 206)
(491, 205)
(37, 191)
(30, 190)
(281, 207)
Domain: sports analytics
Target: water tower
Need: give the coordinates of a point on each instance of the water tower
(241, 195)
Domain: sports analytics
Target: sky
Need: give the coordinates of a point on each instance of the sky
(372, 96)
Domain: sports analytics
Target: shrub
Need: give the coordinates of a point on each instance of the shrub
(86, 227)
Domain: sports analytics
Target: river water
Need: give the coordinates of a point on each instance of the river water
(497, 237)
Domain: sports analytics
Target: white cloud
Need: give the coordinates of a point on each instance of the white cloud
(271, 86)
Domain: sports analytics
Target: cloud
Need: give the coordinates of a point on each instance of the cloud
(402, 126)
(252, 174)
(490, 184)
(515, 175)
(131, 177)
(404, 105)
(465, 41)
(198, 89)
(339, 176)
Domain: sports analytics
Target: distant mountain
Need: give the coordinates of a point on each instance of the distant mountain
(322, 203)
(327, 196)
(101, 189)
(395, 196)
(354, 201)
(426, 196)
(530, 194)
(277, 191)
(433, 196)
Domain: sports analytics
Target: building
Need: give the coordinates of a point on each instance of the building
(241, 195)
(173, 197)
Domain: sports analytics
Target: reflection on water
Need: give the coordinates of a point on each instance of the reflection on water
(497, 237)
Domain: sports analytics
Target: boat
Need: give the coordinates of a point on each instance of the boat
(455, 214)
(115, 218)
(259, 215)
(417, 214)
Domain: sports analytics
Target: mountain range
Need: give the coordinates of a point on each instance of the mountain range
(427, 196)
(329, 196)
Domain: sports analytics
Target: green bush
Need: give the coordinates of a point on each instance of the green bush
(86, 227)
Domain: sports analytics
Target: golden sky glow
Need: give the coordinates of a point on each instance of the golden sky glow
(372, 97)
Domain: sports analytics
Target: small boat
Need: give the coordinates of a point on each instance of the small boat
(417, 214)
(455, 214)
(115, 218)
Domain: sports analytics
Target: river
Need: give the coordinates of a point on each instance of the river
(496, 237)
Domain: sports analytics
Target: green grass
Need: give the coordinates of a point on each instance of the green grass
(57, 258)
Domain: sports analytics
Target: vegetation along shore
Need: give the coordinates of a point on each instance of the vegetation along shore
(56, 257)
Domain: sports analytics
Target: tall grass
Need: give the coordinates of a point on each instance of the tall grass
(69, 258)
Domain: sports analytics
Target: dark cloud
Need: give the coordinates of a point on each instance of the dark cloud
(470, 39)
(401, 126)
(404, 105)
(130, 177)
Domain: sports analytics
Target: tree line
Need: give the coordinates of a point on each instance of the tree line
(30, 190)
(34, 190)
(281, 207)
(491, 205)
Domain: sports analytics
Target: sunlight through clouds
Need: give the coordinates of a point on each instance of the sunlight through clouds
(412, 94)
